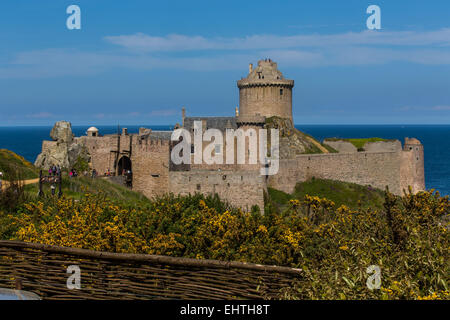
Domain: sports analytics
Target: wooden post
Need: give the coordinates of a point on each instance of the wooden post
(41, 193)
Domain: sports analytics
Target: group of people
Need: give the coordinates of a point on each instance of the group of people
(73, 173)
(54, 170)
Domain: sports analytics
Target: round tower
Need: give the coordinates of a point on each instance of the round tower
(417, 162)
(265, 92)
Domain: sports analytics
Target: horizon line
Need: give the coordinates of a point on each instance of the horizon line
(295, 124)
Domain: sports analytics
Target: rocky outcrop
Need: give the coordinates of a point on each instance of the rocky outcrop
(292, 141)
(62, 132)
(64, 150)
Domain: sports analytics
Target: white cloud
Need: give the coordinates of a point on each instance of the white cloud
(146, 52)
(175, 42)
(422, 108)
(441, 108)
(40, 115)
(163, 113)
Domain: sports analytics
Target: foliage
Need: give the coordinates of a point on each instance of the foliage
(12, 193)
(81, 165)
(333, 244)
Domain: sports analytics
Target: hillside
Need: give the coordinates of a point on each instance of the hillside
(14, 166)
(341, 193)
(76, 188)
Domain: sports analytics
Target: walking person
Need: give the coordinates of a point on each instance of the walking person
(1, 185)
(53, 188)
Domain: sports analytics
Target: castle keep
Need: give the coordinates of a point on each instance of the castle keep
(265, 92)
(265, 101)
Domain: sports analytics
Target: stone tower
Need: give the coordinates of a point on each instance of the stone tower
(417, 163)
(265, 92)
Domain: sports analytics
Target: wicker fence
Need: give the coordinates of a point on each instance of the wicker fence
(42, 269)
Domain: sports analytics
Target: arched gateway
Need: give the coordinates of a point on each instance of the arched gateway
(124, 168)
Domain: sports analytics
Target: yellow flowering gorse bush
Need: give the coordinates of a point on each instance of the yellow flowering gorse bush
(408, 240)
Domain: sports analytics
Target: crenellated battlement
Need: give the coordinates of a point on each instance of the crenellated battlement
(265, 92)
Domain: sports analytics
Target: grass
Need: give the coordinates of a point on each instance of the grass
(360, 142)
(16, 167)
(10, 161)
(330, 149)
(350, 194)
(76, 187)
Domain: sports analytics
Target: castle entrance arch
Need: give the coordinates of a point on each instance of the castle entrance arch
(125, 167)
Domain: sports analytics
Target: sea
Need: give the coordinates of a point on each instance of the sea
(27, 141)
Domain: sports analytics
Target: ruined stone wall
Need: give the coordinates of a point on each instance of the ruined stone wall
(99, 149)
(383, 146)
(377, 146)
(341, 146)
(376, 169)
(266, 100)
(240, 188)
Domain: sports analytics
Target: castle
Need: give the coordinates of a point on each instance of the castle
(265, 101)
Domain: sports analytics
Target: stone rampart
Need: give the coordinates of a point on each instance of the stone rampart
(240, 188)
(378, 169)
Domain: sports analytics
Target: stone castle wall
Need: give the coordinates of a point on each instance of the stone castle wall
(378, 169)
(150, 161)
(240, 188)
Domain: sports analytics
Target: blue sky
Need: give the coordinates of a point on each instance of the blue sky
(139, 62)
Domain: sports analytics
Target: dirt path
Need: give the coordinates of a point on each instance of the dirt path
(25, 182)
(318, 145)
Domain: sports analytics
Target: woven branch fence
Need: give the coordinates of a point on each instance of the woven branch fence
(42, 269)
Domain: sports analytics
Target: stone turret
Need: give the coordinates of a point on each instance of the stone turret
(265, 92)
(416, 161)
